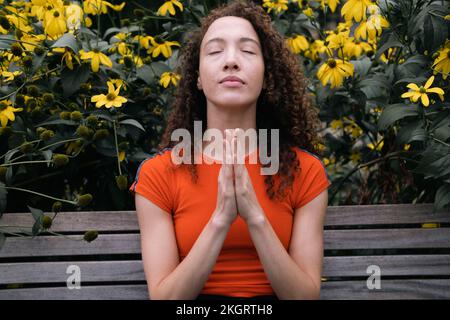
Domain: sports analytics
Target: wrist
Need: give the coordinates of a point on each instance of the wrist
(257, 220)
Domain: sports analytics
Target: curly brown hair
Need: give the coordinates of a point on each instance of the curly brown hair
(284, 104)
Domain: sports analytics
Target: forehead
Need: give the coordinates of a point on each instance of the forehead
(230, 28)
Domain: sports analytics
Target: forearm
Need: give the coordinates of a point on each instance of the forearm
(287, 279)
(187, 280)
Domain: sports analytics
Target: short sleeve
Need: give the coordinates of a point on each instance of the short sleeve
(312, 180)
(154, 181)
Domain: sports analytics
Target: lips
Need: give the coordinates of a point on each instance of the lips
(232, 78)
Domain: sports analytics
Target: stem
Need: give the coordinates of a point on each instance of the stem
(19, 147)
(24, 162)
(39, 194)
(117, 148)
(389, 155)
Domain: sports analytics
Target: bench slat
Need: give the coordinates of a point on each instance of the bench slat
(130, 243)
(385, 214)
(336, 215)
(390, 289)
(132, 270)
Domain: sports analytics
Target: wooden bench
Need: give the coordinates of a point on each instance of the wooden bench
(413, 258)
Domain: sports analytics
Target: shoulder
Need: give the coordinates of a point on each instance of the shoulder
(160, 160)
(308, 159)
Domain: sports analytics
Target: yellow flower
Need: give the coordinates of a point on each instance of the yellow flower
(168, 6)
(112, 99)
(442, 62)
(355, 156)
(164, 48)
(55, 24)
(421, 92)
(143, 40)
(315, 49)
(336, 124)
(278, 5)
(355, 48)
(168, 77)
(355, 9)
(136, 60)
(308, 12)
(97, 7)
(297, 43)
(371, 28)
(96, 58)
(332, 4)
(67, 56)
(74, 14)
(406, 146)
(334, 71)
(121, 156)
(118, 83)
(9, 76)
(7, 112)
(379, 145)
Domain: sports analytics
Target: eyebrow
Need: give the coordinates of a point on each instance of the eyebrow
(242, 39)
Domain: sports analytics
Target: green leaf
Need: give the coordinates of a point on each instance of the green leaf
(72, 79)
(3, 198)
(442, 197)
(2, 240)
(148, 73)
(362, 66)
(395, 112)
(67, 40)
(132, 122)
(373, 87)
(411, 132)
(36, 213)
(6, 41)
(435, 32)
(391, 42)
(57, 121)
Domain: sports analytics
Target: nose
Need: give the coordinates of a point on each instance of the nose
(231, 61)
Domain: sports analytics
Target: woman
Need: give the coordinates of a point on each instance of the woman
(224, 230)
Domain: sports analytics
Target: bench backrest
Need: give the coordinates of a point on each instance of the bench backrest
(409, 244)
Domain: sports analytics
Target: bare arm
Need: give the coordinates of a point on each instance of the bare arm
(167, 278)
(295, 274)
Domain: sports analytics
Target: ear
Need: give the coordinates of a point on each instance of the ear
(199, 84)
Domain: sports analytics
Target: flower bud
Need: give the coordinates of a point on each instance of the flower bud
(16, 49)
(56, 207)
(92, 120)
(90, 235)
(27, 61)
(76, 115)
(101, 134)
(122, 182)
(3, 173)
(83, 131)
(65, 115)
(84, 200)
(47, 135)
(26, 147)
(33, 91)
(60, 159)
(46, 222)
(48, 97)
(38, 51)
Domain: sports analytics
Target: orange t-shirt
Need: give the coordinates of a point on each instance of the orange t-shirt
(238, 271)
